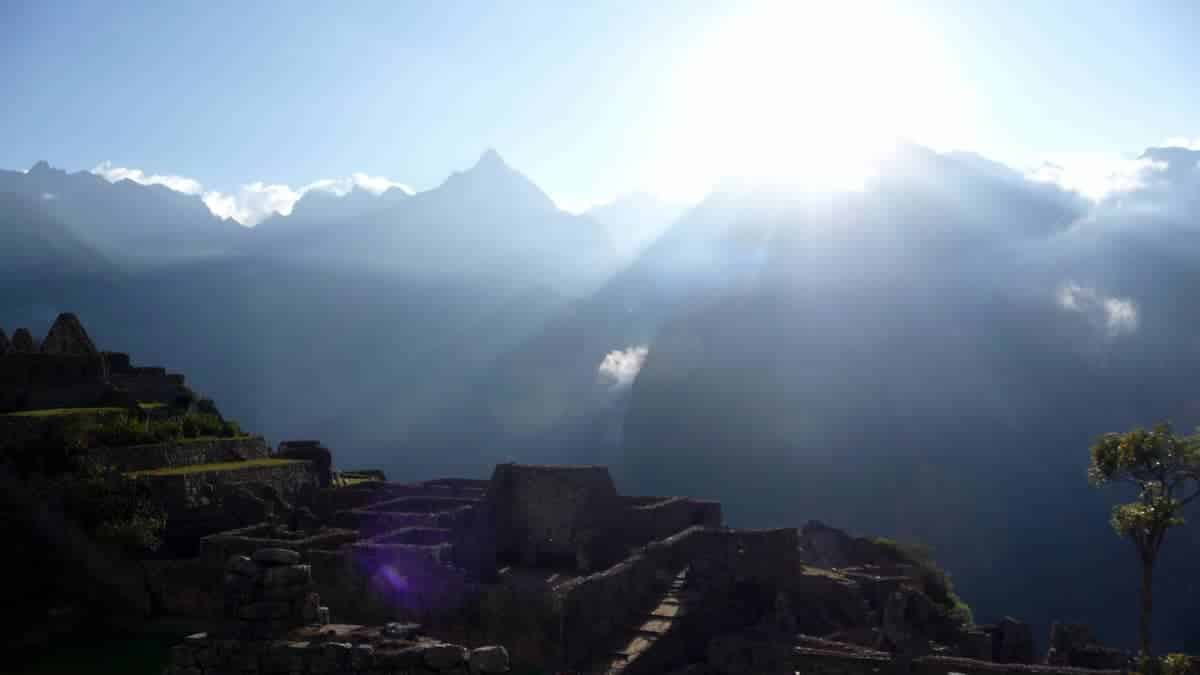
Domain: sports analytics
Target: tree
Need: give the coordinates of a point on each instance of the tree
(1165, 470)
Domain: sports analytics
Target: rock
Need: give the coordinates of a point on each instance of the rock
(400, 631)
(362, 657)
(1012, 641)
(242, 566)
(489, 660)
(444, 656)
(182, 656)
(67, 336)
(276, 556)
(296, 575)
(22, 341)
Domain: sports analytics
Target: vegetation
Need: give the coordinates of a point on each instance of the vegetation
(218, 466)
(935, 582)
(111, 508)
(59, 412)
(1165, 470)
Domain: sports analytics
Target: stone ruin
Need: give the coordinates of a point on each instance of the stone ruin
(67, 371)
(22, 342)
(67, 336)
(275, 624)
(270, 593)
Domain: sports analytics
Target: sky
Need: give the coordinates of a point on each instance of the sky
(589, 100)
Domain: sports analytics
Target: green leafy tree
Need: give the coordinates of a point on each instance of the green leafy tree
(1165, 470)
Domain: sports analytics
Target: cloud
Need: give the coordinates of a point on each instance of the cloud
(115, 174)
(1118, 316)
(1096, 177)
(1182, 142)
(49, 196)
(620, 367)
(376, 185)
(253, 202)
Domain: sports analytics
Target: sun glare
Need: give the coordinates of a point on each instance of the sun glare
(809, 94)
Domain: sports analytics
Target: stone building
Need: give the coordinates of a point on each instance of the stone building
(66, 370)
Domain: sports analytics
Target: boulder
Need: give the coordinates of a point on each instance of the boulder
(489, 660)
(444, 656)
(276, 556)
(22, 341)
(1012, 641)
(67, 336)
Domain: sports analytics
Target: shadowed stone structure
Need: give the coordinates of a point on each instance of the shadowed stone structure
(553, 515)
(67, 336)
(5, 345)
(22, 341)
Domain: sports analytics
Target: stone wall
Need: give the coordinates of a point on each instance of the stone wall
(340, 649)
(664, 517)
(200, 489)
(545, 514)
(826, 661)
(215, 549)
(34, 380)
(594, 607)
(181, 453)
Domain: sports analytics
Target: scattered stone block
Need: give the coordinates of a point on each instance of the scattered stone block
(400, 631)
(276, 556)
(492, 659)
(445, 656)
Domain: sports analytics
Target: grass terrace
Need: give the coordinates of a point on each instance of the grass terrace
(63, 412)
(219, 466)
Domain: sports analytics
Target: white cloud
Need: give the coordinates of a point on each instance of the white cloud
(620, 367)
(253, 202)
(376, 185)
(118, 173)
(1118, 316)
(1182, 142)
(1096, 176)
(48, 196)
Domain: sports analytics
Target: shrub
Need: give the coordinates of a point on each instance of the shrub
(935, 582)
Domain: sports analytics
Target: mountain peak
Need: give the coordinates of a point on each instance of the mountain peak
(40, 168)
(490, 158)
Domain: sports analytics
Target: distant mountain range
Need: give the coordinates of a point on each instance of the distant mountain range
(127, 221)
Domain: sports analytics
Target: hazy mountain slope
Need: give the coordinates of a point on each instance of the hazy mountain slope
(147, 224)
(36, 248)
(323, 207)
(488, 225)
(635, 220)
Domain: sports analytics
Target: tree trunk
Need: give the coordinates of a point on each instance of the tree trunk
(1147, 604)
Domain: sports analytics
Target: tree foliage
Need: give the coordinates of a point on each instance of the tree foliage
(1164, 469)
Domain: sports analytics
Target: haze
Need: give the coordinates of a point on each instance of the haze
(889, 265)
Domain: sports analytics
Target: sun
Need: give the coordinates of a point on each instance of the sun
(809, 94)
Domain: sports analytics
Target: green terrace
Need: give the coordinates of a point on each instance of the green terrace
(103, 410)
(62, 412)
(219, 466)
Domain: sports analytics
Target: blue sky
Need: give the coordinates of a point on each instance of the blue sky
(590, 101)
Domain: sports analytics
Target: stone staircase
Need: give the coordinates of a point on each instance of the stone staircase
(645, 645)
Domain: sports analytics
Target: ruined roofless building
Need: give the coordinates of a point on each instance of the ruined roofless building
(67, 336)
(5, 345)
(67, 371)
(22, 342)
